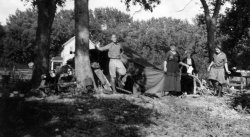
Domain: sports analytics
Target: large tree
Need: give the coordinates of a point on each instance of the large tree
(211, 16)
(82, 60)
(46, 13)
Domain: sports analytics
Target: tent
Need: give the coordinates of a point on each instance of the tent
(151, 78)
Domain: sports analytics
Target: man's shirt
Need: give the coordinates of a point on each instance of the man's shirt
(114, 50)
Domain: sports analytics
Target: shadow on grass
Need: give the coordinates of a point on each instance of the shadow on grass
(88, 117)
(241, 103)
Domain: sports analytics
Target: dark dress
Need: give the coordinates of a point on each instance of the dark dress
(173, 72)
(187, 84)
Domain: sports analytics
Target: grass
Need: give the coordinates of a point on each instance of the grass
(114, 115)
(87, 117)
(184, 120)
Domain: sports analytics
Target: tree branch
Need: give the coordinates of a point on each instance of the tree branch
(185, 6)
(205, 6)
(217, 9)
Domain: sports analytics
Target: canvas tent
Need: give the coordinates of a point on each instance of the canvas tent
(154, 78)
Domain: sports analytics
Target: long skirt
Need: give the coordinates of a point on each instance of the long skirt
(187, 84)
(217, 74)
(173, 82)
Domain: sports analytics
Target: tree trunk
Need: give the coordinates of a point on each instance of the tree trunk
(211, 29)
(211, 24)
(46, 14)
(82, 60)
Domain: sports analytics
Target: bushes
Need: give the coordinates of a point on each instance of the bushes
(241, 103)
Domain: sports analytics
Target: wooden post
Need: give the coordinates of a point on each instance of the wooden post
(194, 82)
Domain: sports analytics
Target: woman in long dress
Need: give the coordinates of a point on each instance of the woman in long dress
(187, 83)
(172, 69)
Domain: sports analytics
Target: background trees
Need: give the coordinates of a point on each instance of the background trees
(62, 30)
(235, 26)
(151, 38)
(2, 35)
(20, 37)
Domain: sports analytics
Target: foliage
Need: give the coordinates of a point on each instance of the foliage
(21, 28)
(62, 30)
(20, 36)
(35, 2)
(235, 25)
(2, 35)
(241, 103)
(112, 17)
(146, 4)
(150, 38)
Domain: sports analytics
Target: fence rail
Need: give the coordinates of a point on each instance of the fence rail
(12, 77)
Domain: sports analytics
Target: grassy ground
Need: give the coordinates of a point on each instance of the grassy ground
(121, 116)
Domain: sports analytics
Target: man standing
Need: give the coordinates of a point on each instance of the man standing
(216, 70)
(115, 63)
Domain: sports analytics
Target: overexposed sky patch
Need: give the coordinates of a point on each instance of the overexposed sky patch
(168, 8)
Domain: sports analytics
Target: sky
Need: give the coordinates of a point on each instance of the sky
(179, 9)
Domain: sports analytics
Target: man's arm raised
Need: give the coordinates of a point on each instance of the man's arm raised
(102, 48)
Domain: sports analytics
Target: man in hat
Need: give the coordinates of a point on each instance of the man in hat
(216, 70)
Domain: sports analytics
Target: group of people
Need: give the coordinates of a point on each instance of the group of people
(184, 83)
(58, 81)
(178, 72)
(175, 82)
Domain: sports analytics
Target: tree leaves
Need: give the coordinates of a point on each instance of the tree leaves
(235, 26)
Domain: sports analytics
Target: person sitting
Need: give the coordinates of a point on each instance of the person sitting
(66, 80)
(52, 79)
(48, 82)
